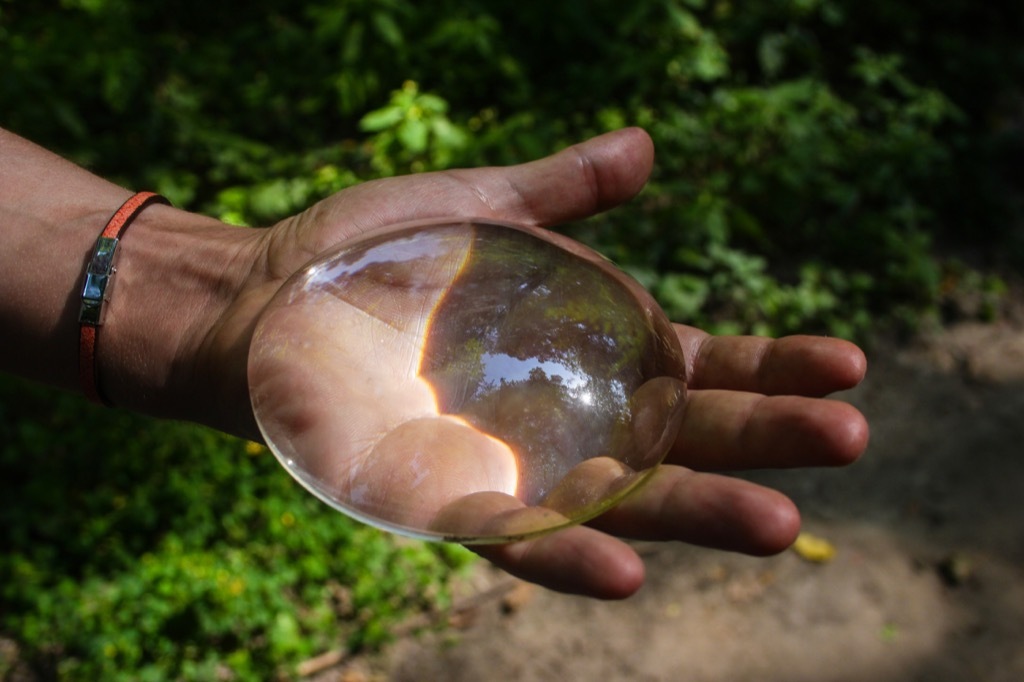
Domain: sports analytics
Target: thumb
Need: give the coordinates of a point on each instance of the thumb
(575, 183)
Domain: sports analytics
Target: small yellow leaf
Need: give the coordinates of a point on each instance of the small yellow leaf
(814, 549)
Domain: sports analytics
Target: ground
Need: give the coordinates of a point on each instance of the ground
(927, 580)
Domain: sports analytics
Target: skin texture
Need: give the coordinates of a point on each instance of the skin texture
(190, 289)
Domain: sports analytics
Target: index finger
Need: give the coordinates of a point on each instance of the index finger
(792, 365)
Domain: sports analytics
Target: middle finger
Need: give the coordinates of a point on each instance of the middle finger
(731, 430)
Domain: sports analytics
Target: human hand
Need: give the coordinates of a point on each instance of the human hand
(178, 330)
(753, 403)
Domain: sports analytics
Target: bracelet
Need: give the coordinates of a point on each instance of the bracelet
(99, 278)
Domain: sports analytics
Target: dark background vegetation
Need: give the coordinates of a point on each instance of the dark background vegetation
(823, 166)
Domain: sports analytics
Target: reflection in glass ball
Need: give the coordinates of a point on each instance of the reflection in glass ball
(466, 381)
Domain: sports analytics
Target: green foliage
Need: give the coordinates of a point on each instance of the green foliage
(813, 158)
(413, 133)
(830, 133)
(143, 550)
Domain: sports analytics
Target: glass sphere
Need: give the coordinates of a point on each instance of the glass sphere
(466, 381)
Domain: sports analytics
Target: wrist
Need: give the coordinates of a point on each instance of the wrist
(177, 323)
(178, 273)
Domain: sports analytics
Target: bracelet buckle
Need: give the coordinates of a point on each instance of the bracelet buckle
(99, 278)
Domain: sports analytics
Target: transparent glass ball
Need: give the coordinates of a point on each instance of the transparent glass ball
(466, 381)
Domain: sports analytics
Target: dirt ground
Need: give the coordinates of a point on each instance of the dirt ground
(927, 582)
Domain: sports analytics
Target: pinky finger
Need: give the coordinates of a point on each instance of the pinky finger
(577, 560)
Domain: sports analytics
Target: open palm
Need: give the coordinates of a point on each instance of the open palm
(753, 403)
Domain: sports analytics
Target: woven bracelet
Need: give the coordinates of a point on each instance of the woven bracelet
(99, 279)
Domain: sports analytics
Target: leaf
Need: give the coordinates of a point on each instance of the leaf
(432, 103)
(449, 136)
(387, 29)
(413, 134)
(381, 119)
(814, 549)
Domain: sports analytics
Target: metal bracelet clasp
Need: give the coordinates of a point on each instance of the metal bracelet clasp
(99, 277)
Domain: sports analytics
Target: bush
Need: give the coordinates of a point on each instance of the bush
(828, 144)
(136, 549)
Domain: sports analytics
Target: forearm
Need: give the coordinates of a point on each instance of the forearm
(177, 272)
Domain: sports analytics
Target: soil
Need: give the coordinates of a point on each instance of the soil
(926, 583)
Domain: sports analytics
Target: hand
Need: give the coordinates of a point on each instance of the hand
(754, 403)
(176, 340)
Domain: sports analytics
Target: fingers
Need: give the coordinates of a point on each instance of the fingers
(732, 430)
(746, 409)
(705, 509)
(577, 560)
(676, 504)
(794, 365)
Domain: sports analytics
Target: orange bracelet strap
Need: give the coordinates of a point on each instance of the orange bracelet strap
(99, 279)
